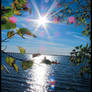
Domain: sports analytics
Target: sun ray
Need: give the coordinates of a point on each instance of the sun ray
(57, 11)
(52, 7)
(36, 8)
(46, 31)
(36, 28)
(42, 20)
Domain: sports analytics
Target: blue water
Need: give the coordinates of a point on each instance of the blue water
(37, 78)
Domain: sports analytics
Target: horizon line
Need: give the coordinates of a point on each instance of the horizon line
(42, 53)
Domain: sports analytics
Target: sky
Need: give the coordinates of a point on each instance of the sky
(54, 38)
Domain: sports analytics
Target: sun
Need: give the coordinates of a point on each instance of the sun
(42, 20)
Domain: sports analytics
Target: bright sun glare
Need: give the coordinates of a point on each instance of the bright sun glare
(42, 20)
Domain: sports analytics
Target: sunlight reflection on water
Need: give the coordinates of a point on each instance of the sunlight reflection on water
(40, 74)
(38, 77)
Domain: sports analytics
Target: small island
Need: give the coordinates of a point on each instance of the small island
(46, 61)
(36, 54)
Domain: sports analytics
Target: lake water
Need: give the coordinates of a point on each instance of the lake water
(37, 78)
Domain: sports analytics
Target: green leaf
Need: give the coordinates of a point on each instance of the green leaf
(4, 19)
(10, 60)
(8, 11)
(73, 50)
(2, 67)
(22, 1)
(13, 5)
(17, 12)
(72, 58)
(65, 6)
(19, 33)
(19, 4)
(85, 33)
(34, 36)
(22, 50)
(15, 67)
(8, 25)
(77, 47)
(87, 45)
(23, 31)
(83, 20)
(81, 46)
(5, 23)
(78, 60)
(27, 64)
(10, 34)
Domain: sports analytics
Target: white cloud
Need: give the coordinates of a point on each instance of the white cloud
(79, 37)
(51, 43)
(51, 50)
(72, 33)
(54, 48)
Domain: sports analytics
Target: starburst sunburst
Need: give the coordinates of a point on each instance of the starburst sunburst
(42, 20)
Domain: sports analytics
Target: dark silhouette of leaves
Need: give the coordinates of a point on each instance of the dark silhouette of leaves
(10, 34)
(24, 31)
(27, 64)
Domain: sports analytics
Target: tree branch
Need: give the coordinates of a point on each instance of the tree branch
(4, 40)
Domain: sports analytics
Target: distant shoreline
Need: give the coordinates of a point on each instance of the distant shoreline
(40, 54)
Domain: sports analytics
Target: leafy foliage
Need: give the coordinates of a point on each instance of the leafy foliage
(82, 55)
(4, 19)
(8, 21)
(7, 25)
(81, 14)
(10, 34)
(22, 50)
(27, 64)
(15, 67)
(2, 67)
(10, 61)
(23, 31)
(7, 11)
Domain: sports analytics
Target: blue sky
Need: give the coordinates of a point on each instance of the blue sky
(60, 38)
